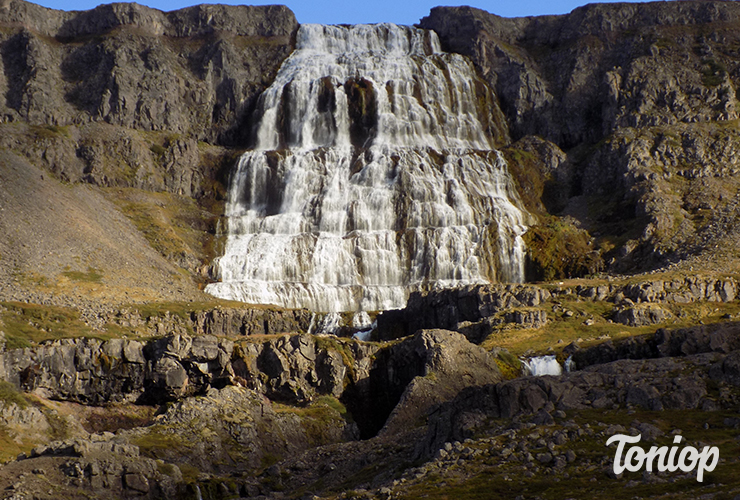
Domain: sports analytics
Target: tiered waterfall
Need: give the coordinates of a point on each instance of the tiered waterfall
(372, 175)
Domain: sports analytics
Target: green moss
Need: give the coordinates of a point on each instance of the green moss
(166, 469)
(158, 443)
(325, 413)
(525, 169)
(50, 131)
(340, 346)
(59, 426)
(509, 364)
(189, 473)
(560, 250)
(157, 149)
(10, 448)
(508, 371)
(269, 459)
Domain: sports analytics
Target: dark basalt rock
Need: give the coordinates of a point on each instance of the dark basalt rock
(649, 384)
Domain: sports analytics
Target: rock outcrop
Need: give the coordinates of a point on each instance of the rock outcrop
(722, 338)
(463, 308)
(408, 378)
(678, 383)
(106, 467)
(402, 380)
(477, 310)
(245, 429)
(292, 368)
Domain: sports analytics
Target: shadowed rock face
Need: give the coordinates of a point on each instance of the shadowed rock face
(402, 380)
(408, 378)
(194, 72)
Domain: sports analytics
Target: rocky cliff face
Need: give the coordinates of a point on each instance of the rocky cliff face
(579, 77)
(183, 77)
(129, 97)
(194, 72)
(479, 311)
(642, 97)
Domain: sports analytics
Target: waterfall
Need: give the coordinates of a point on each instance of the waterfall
(545, 365)
(372, 176)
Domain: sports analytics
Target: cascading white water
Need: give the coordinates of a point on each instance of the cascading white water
(547, 365)
(372, 176)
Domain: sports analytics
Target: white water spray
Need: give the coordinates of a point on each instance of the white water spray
(372, 176)
(542, 365)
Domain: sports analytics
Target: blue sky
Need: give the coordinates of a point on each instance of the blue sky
(364, 11)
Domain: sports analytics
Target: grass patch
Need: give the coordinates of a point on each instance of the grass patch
(508, 364)
(712, 73)
(10, 395)
(189, 473)
(184, 310)
(557, 249)
(174, 226)
(10, 448)
(526, 171)
(91, 276)
(590, 324)
(50, 131)
(326, 412)
(158, 444)
(269, 459)
(26, 325)
(59, 426)
(157, 149)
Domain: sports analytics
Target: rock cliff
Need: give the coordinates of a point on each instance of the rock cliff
(641, 97)
(194, 72)
(129, 97)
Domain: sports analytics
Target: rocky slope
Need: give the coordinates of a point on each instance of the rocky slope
(129, 97)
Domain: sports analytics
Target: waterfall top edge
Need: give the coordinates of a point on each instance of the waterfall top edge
(382, 38)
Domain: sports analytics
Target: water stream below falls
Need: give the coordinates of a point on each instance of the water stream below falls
(546, 365)
(372, 175)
